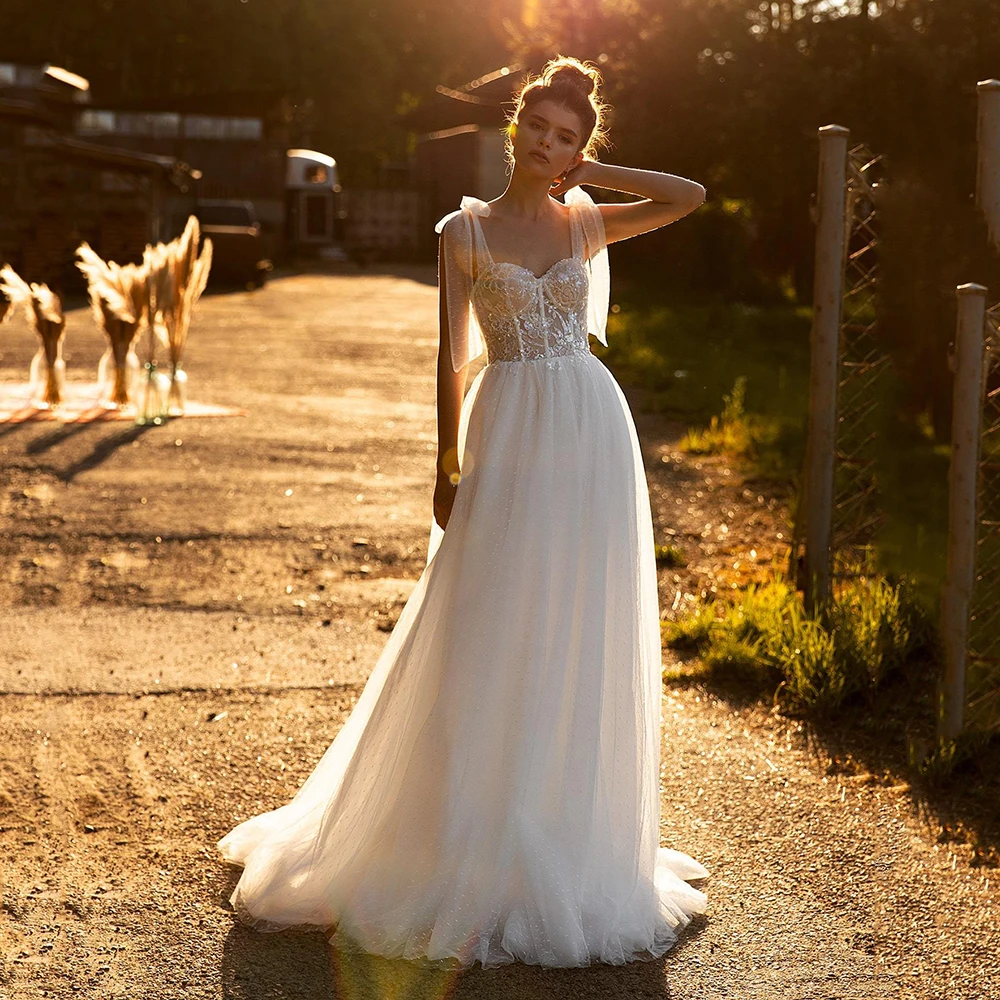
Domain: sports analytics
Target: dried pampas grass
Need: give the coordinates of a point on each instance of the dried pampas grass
(189, 268)
(15, 290)
(7, 303)
(47, 379)
(157, 262)
(119, 298)
(50, 325)
(159, 296)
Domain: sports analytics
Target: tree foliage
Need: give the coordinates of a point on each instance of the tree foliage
(729, 92)
(342, 69)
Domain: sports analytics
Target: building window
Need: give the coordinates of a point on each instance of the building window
(216, 127)
(245, 128)
(92, 122)
(167, 125)
(15, 75)
(160, 124)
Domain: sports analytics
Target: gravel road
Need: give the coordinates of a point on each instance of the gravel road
(188, 613)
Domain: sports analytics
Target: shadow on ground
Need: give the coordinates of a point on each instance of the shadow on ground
(359, 977)
(296, 964)
(105, 441)
(879, 743)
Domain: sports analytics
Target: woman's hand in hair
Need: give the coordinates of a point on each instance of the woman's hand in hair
(578, 174)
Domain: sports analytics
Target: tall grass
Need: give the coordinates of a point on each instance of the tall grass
(736, 432)
(809, 664)
(738, 376)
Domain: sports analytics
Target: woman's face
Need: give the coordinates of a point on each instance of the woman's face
(547, 139)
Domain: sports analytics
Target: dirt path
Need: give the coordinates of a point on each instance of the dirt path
(187, 614)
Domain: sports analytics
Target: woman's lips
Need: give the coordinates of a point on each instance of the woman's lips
(541, 156)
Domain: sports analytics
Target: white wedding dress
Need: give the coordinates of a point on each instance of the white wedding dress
(494, 794)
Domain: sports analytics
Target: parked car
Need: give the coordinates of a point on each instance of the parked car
(238, 246)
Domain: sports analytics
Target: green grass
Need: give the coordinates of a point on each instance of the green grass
(738, 376)
(670, 555)
(692, 358)
(691, 631)
(810, 664)
(739, 434)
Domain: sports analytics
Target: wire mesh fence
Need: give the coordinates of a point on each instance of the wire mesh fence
(852, 379)
(857, 514)
(984, 609)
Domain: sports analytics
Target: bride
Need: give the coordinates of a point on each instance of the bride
(494, 794)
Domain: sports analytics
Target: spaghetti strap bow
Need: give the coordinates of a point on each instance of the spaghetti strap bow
(456, 274)
(589, 218)
(469, 203)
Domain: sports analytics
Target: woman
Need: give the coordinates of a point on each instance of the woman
(494, 794)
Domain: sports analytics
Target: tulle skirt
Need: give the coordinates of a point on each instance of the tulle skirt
(494, 794)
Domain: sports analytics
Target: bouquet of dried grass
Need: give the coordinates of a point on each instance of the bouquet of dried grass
(189, 270)
(50, 325)
(119, 297)
(47, 379)
(159, 296)
(14, 289)
(6, 307)
(156, 262)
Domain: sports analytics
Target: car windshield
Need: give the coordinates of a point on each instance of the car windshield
(224, 215)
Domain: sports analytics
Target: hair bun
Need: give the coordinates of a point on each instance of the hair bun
(575, 85)
(572, 73)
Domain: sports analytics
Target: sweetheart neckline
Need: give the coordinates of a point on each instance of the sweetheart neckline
(493, 262)
(527, 270)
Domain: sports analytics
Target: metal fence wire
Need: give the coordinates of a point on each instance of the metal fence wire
(864, 361)
(984, 608)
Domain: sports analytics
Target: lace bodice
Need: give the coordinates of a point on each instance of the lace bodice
(521, 316)
(524, 317)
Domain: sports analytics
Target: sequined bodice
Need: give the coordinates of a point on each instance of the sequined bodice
(524, 317)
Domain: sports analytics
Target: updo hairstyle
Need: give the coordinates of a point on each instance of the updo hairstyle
(573, 84)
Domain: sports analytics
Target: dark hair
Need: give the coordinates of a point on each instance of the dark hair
(574, 84)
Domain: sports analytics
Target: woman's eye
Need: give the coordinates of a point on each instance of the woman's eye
(565, 138)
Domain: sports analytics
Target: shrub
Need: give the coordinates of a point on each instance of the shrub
(670, 555)
(869, 630)
(691, 631)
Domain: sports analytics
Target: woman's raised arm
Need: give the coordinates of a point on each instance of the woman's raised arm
(667, 197)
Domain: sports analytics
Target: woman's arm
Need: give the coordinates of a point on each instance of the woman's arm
(668, 197)
(450, 393)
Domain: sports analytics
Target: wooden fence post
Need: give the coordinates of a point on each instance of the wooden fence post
(988, 160)
(962, 514)
(828, 290)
